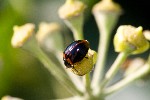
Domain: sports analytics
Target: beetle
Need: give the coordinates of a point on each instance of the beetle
(75, 52)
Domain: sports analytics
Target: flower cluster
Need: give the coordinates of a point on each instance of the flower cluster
(79, 57)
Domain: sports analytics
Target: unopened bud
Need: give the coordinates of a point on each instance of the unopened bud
(22, 34)
(71, 8)
(130, 38)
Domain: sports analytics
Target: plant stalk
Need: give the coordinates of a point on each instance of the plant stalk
(128, 79)
(60, 75)
(114, 68)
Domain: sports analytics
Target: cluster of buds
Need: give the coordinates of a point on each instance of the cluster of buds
(78, 56)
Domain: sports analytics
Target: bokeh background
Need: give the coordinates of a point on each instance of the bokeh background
(22, 75)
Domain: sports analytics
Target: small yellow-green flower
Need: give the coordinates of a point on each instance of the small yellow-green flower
(22, 34)
(130, 38)
(71, 8)
(86, 64)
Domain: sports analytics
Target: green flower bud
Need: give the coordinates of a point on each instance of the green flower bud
(106, 13)
(130, 38)
(22, 34)
(72, 14)
(108, 6)
(86, 64)
(71, 8)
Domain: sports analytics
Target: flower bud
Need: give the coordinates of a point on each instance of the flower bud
(22, 34)
(71, 8)
(107, 5)
(129, 38)
(86, 64)
(106, 13)
(72, 14)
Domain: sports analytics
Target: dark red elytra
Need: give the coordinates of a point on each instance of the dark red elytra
(75, 52)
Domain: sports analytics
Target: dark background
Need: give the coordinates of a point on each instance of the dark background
(22, 75)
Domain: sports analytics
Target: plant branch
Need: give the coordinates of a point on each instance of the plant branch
(128, 79)
(114, 68)
(101, 60)
(76, 26)
(87, 83)
(59, 74)
(74, 78)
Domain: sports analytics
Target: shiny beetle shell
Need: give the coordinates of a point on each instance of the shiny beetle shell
(75, 52)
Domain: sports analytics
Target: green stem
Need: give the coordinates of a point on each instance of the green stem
(114, 68)
(101, 60)
(87, 83)
(127, 80)
(106, 22)
(74, 78)
(33, 47)
(76, 26)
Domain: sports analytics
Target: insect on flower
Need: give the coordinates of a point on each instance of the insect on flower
(79, 58)
(75, 52)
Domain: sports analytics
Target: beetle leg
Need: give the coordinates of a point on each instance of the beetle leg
(86, 57)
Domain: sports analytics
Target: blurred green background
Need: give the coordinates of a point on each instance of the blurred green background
(22, 75)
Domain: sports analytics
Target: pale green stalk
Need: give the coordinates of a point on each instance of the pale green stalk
(87, 83)
(76, 26)
(74, 20)
(106, 13)
(60, 75)
(101, 60)
(114, 68)
(74, 78)
(106, 20)
(128, 79)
